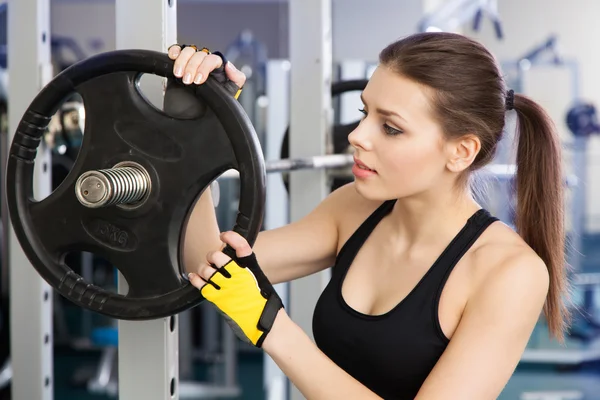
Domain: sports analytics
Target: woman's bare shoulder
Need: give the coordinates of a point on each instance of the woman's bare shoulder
(501, 251)
(351, 209)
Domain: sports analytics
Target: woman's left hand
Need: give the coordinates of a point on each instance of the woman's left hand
(239, 289)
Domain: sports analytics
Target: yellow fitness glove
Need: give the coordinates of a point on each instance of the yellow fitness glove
(246, 298)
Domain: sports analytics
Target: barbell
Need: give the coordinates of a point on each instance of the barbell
(341, 162)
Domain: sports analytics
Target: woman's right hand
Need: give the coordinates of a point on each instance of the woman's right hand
(195, 66)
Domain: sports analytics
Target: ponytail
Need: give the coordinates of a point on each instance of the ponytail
(540, 204)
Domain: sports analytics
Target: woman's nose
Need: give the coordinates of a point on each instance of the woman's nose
(359, 137)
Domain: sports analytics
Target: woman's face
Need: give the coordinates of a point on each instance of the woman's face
(398, 140)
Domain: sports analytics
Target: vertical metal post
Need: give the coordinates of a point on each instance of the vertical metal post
(229, 380)
(310, 116)
(30, 297)
(350, 103)
(277, 204)
(579, 206)
(186, 345)
(148, 351)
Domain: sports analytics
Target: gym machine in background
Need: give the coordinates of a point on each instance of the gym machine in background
(453, 15)
(577, 125)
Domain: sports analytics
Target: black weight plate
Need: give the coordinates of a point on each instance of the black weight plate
(182, 157)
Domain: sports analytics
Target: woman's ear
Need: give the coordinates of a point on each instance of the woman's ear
(462, 152)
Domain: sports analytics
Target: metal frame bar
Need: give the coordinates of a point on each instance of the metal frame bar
(148, 350)
(31, 332)
(310, 121)
(349, 103)
(309, 163)
(277, 204)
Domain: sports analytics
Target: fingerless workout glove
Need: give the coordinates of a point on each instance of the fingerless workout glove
(242, 292)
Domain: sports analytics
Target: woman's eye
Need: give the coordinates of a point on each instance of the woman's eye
(391, 131)
(388, 129)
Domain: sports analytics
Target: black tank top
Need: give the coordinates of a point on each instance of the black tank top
(391, 354)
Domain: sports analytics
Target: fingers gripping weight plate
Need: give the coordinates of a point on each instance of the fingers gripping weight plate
(136, 177)
(340, 132)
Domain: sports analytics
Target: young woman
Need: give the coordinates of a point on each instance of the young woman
(431, 297)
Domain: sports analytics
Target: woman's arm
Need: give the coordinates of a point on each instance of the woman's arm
(296, 250)
(239, 289)
(492, 334)
(304, 247)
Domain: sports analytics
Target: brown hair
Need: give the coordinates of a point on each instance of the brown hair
(469, 96)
